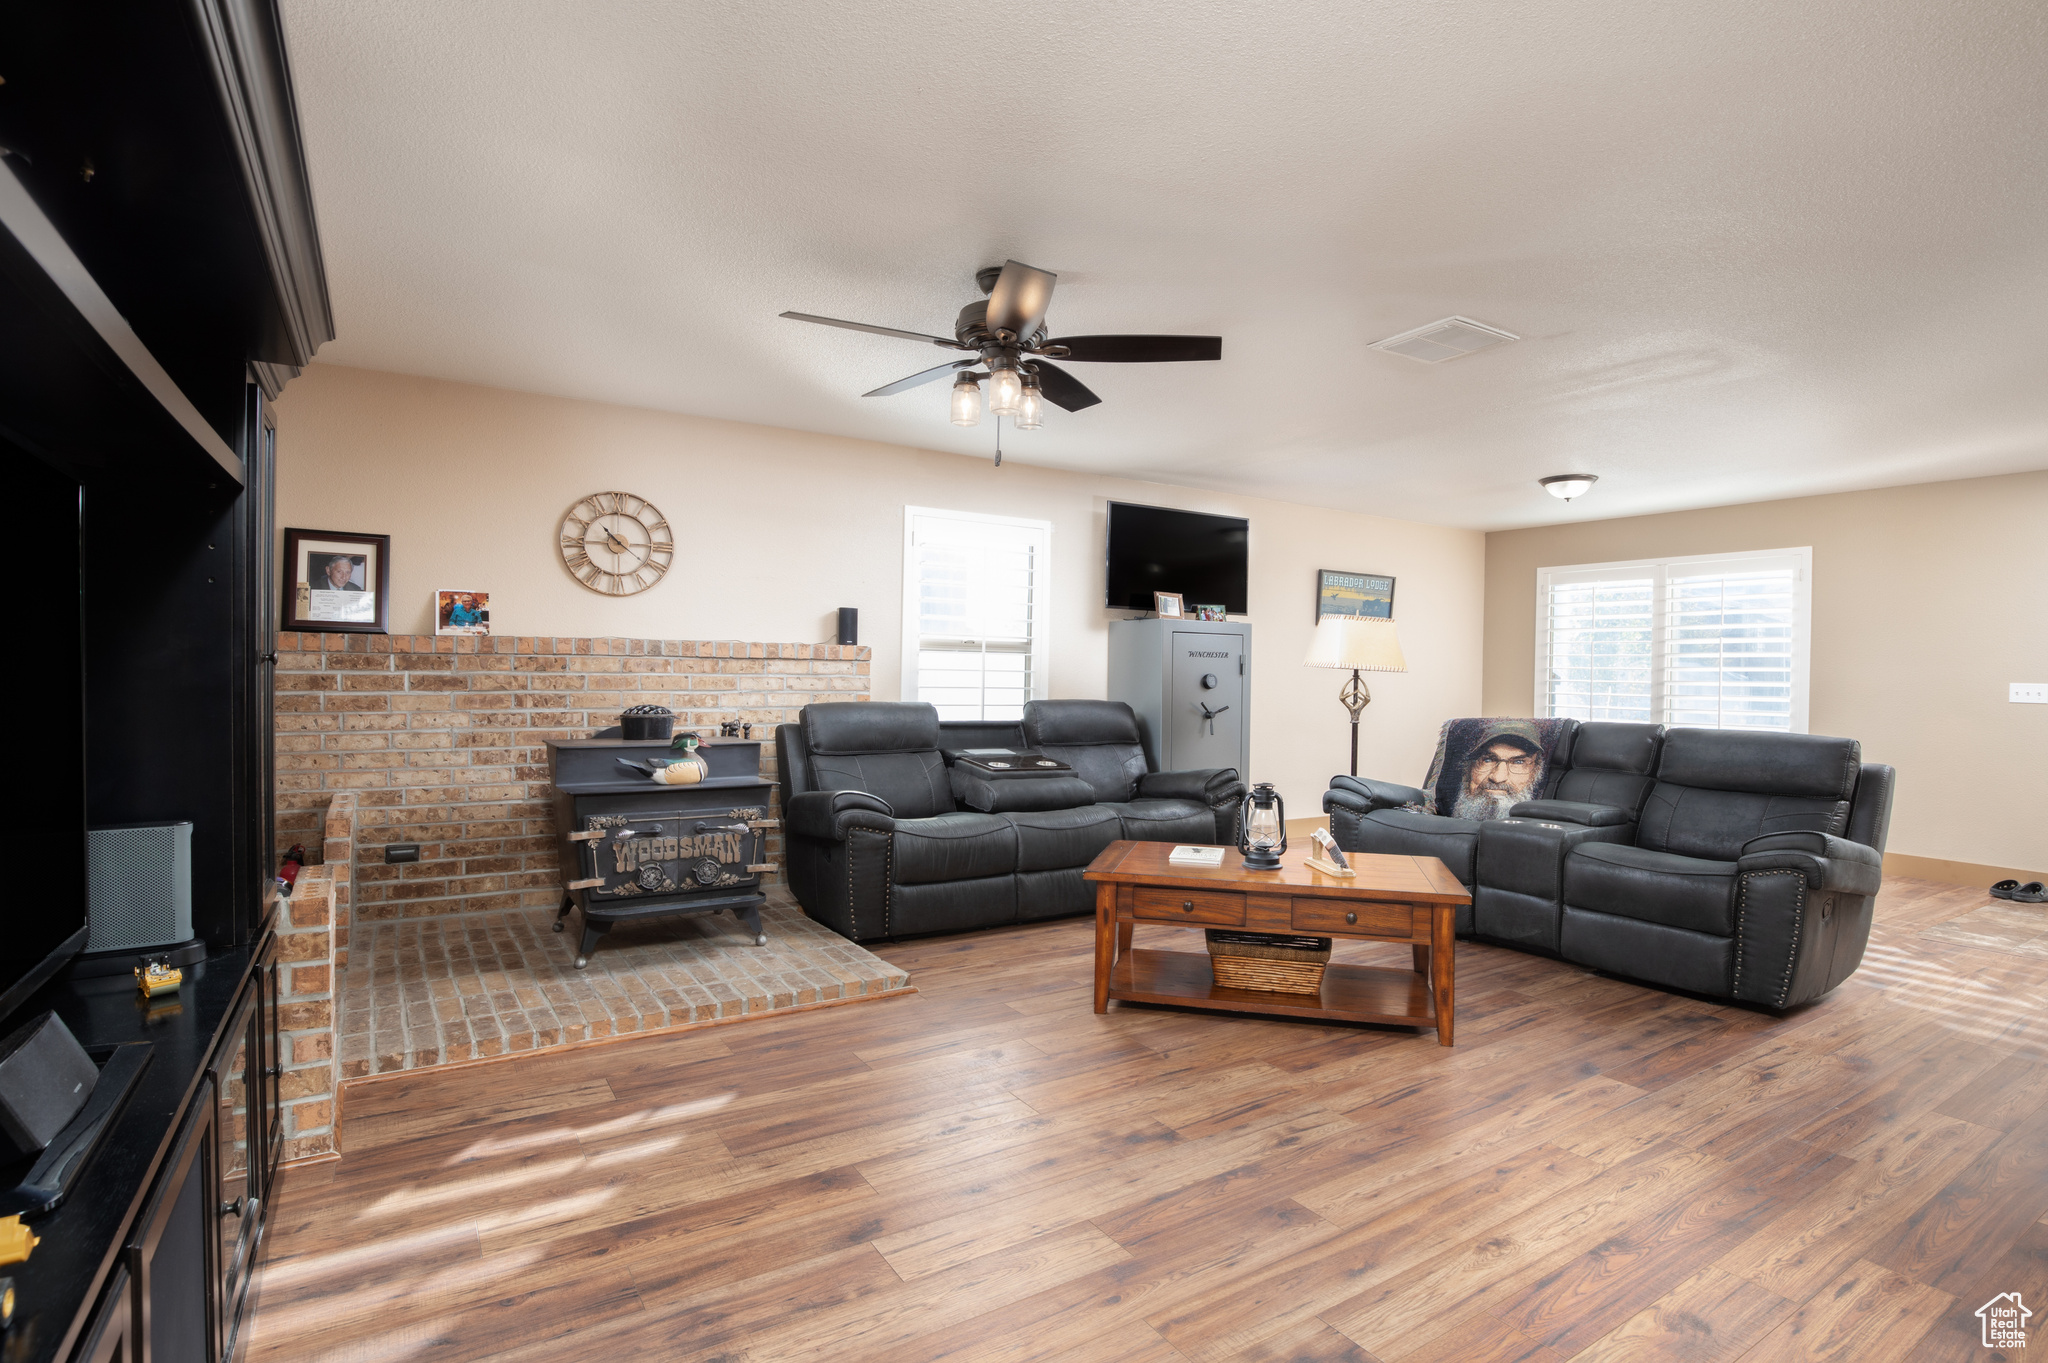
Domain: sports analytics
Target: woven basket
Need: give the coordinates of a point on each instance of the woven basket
(1270, 962)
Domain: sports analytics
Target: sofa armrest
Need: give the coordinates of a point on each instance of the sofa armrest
(1208, 785)
(828, 814)
(1830, 864)
(1362, 795)
(1572, 811)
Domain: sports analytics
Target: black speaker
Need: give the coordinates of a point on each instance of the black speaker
(45, 1078)
(849, 625)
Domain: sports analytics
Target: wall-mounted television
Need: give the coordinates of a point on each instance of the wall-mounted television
(43, 928)
(1157, 549)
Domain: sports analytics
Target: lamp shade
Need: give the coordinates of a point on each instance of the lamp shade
(1353, 644)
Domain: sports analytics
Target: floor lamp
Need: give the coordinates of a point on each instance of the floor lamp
(1345, 641)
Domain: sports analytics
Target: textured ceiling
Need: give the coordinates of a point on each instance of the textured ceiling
(1754, 249)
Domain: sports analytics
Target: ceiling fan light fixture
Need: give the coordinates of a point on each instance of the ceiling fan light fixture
(1031, 406)
(1005, 391)
(967, 400)
(1568, 485)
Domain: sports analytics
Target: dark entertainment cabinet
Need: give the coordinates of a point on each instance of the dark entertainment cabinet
(160, 281)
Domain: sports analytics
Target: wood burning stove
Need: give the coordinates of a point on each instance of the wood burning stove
(633, 848)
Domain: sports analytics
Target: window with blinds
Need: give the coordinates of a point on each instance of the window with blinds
(974, 592)
(1718, 641)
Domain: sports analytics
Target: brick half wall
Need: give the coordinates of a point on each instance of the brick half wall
(442, 740)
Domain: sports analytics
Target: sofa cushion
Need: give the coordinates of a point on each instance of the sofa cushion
(1654, 887)
(870, 726)
(1056, 839)
(1660, 954)
(1409, 833)
(954, 906)
(1078, 722)
(1004, 795)
(1761, 763)
(1165, 820)
(1716, 823)
(1111, 770)
(960, 846)
(914, 783)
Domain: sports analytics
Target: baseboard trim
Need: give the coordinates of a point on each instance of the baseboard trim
(1955, 872)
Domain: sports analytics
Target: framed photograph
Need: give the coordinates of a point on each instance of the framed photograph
(458, 612)
(1211, 613)
(336, 582)
(1167, 606)
(1367, 596)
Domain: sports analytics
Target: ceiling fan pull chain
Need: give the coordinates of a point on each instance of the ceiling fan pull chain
(999, 440)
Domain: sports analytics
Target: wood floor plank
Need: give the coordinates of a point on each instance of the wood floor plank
(1711, 1317)
(988, 1170)
(1868, 1315)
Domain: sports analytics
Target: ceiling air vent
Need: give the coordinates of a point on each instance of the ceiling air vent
(1445, 340)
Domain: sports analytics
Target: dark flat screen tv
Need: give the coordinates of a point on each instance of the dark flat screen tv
(42, 919)
(1157, 549)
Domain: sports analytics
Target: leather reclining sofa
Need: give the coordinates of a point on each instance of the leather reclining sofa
(885, 836)
(1735, 864)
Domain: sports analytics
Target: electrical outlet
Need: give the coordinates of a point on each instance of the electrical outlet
(2028, 693)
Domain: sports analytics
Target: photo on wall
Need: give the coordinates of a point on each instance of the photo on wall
(336, 582)
(459, 612)
(1363, 596)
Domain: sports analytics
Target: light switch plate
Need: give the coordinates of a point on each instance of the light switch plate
(2029, 693)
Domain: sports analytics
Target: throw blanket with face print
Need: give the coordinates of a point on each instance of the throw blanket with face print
(1484, 767)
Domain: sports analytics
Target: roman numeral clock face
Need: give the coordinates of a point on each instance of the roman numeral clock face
(616, 543)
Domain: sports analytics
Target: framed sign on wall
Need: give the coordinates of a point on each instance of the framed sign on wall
(1365, 596)
(336, 582)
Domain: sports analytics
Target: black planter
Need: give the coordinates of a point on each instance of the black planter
(632, 726)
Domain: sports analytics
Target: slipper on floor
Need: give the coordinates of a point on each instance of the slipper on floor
(2033, 892)
(2004, 888)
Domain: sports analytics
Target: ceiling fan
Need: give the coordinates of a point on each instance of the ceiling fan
(1005, 333)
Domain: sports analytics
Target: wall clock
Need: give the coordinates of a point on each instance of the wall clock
(616, 543)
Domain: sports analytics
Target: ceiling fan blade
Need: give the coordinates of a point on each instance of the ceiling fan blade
(1139, 349)
(1018, 301)
(946, 341)
(1063, 389)
(919, 380)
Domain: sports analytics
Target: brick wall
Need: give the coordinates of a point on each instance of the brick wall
(309, 995)
(441, 740)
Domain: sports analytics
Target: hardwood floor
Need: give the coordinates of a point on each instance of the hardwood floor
(987, 1170)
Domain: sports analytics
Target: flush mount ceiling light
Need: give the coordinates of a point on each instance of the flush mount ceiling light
(1445, 340)
(1567, 485)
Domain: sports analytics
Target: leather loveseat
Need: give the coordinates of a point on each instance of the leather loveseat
(886, 836)
(1737, 864)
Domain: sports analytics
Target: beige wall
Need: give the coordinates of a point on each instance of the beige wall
(779, 528)
(1927, 601)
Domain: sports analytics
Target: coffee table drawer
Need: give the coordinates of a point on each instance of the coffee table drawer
(1163, 905)
(1337, 915)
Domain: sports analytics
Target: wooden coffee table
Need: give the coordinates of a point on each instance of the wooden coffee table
(1392, 899)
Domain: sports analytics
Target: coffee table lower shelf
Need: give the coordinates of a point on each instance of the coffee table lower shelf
(1351, 993)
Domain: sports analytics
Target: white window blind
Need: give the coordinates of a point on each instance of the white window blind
(974, 592)
(1718, 641)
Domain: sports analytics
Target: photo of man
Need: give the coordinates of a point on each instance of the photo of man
(1504, 770)
(342, 573)
(1485, 767)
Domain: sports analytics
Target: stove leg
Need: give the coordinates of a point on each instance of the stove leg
(591, 932)
(568, 903)
(752, 918)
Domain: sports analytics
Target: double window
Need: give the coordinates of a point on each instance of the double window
(974, 603)
(1717, 640)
